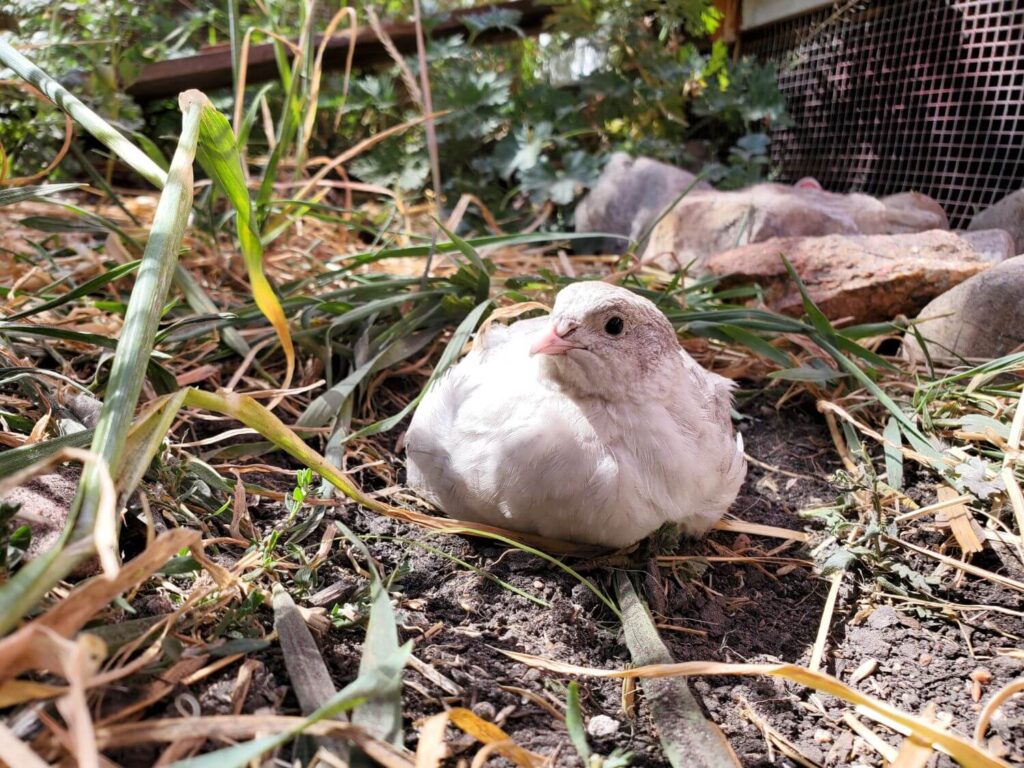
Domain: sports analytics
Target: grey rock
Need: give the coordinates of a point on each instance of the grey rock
(982, 318)
(993, 245)
(629, 196)
(1007, 214)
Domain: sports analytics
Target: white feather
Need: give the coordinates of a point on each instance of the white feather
(499, 440)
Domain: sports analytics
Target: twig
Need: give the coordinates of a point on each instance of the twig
(826, 622)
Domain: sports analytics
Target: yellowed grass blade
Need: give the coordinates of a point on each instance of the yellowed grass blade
(757, 529)
(15, 692)
(961, 522)
(492, 736)
(974, 570)
(1001, 697)
(431, 749)
(236, 727)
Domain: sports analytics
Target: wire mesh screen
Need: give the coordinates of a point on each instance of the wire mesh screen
(896, 95)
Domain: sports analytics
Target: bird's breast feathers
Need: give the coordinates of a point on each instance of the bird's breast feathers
(506, 447)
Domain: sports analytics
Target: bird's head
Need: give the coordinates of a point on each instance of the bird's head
(605, 341)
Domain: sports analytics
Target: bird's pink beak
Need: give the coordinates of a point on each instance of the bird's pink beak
(553, 341)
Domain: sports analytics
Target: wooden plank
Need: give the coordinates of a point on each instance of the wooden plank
(211, 69)
(756, 13)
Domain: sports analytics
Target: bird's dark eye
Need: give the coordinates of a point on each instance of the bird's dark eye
(613, 326)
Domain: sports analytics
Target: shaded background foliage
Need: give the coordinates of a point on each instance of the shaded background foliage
(530, 122)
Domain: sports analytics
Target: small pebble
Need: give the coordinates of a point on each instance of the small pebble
(601, 726)
(925, 660)
(822, 736)
(538, 584)
(485, 710)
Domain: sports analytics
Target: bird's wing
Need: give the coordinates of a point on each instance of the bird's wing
(704, 412)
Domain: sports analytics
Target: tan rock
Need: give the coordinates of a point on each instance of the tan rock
(706, 222)
(863, 277)
(981, 318)
(914, 212)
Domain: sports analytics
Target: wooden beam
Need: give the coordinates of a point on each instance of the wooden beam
(756, 13)
(211, 69)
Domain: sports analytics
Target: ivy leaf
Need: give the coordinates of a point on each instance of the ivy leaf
(972, 474)
(495, 18)
(838, 561)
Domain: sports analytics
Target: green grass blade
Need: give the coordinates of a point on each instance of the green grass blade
(163, 380)
(156, 270)
(83, 290)
(688, 738)
(574, 723)
(893, 455)
(201, 303)
(85, 117)
(131, 358)
(24, 456)
(816, 316)
(381, 714)
(241, 755)
(20, 194)
(756, 344)
(458, 341)
(329, 404)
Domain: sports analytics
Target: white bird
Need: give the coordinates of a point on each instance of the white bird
(592, 425)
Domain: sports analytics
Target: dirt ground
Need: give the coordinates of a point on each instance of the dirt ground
(722, 611)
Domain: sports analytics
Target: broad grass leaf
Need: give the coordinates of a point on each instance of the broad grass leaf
(218, 154)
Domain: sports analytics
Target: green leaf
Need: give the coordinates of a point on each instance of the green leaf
(839, 560)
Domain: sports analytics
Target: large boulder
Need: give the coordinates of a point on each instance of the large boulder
(629, 196)
(980, 318)
(866, 278)
(1007, 214)
(707, 222)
